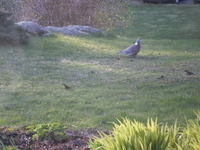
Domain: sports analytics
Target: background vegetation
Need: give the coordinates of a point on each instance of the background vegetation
(96, 13)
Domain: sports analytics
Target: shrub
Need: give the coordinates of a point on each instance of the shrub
(10, 33)
(13, 147)
(6, 5)
(132, 135)
(95, 13)
(190, 138)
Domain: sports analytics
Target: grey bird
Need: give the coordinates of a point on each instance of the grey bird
(132, 50)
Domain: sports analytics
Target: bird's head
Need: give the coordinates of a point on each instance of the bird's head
(138, 40)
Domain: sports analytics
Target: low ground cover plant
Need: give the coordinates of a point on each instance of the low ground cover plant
(49, 131)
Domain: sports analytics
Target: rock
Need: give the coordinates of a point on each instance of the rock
(32, 28)
(84, 30)
(74, 30)
(10, 33)
(35, 29)
(59, 30)
(48, 35)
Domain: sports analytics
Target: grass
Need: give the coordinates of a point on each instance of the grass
(104, 88)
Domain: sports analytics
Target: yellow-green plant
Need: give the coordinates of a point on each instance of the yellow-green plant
(190, 138)
(48, 131)
(10, 147)
(133, 135)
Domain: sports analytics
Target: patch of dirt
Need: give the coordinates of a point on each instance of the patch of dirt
(76, 140)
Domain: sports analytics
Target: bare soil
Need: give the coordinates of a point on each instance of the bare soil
(76, 140)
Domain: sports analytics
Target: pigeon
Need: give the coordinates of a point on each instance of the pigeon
(189, 73)
(132, 50)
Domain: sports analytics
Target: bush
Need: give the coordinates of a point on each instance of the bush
(133, 135)
(7, 5)
(95, 13)
(10, 33)
(13, 147)
(190, 138)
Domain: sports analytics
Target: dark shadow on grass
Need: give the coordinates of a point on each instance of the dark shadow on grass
(147, 58)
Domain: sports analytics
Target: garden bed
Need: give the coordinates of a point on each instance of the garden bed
(21, 139)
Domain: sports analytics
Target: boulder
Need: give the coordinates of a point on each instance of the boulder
(10, 33)
(32, 28)
(85, 29)
(59, 30)
(74, 30)
(48, 35)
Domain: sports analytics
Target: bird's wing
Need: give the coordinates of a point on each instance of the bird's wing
(128, 51)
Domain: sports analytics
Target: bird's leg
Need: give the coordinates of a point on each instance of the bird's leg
(134, 56)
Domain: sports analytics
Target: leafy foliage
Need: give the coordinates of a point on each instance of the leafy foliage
(10, 147)
(190, 138)
(96, 13)
(48, 131)
(133, 135)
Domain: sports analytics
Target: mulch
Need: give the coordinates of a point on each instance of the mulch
(76, 139)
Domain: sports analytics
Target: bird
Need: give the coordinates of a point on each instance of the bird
(66, 86)
(189, 73)
(132, 50)
(161, 77)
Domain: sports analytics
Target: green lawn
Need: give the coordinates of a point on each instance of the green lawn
(103, 87)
